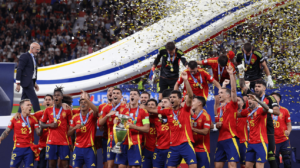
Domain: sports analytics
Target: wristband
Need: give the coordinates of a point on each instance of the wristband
(270, 111)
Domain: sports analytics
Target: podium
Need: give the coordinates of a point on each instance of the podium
(6, 87)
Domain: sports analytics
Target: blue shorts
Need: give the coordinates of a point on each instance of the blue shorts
(160, 158)
(147, 158)
(55, 151)
(227, 150)
(22, 154)
(109, 154)
(243, 149)
(281, 148)
(257, 153)
(131, 157)
(87, 156)
(203, 159)
(216, 90)
(104, 150)
(185, 151)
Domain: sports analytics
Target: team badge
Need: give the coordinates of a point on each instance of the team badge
(23, 124)
(110, 119)
(64, 114)
(252, 60)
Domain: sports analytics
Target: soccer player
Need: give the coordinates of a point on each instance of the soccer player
(104, 127)
(258, 140)
(201, 122)
(48, 102)
(85, 126)
(57, 141)
(138, 124)
(227, 146)
(23, 136)
(218, 66)
(198, 79)
(169, 71)
(242, 132)
(150, 137)
(181, 138)
(109, 112)
(282, 128)
(145, 96)
(253, 61)
(163, 137)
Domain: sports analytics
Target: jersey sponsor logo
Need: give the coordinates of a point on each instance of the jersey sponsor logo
(31, 164)
(259, 159)
(78, 122)
(93, 164)
(67, 157)
(192, 161)
(232, 158)
(136, 161)
(18, 121)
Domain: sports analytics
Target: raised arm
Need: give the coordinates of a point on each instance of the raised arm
(264, 105)
(232, 82)
(157, 59)
(217, 84)
(4, 134)
(188, 88)
(93, 107)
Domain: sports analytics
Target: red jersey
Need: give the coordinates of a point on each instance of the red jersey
(43, 138)
(202, 142)
(202, 77)
(213, 63)
(59, 135)
(86, 135)
(150, 137)
(258, 125)
(22, 138)
(135, 137)
(241, 129)
(280, 125)
(163, 134)
(105, 128)
(183, 134)
(110, 121)
(228, 119)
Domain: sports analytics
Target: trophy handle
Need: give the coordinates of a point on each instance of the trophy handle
(115, 134)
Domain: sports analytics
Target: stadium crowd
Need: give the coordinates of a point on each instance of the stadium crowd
(56, 29)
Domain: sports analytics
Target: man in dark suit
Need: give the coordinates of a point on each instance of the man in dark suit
(27, 76)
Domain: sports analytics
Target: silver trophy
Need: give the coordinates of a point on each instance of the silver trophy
(120, 132)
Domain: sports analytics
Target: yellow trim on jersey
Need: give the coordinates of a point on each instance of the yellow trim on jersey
(188, 138)
(75, 116)
(139, 144)
(263, 143)
(130, 143)
(204, 95)
(92, 142)
(206, 151)
(236, 146)
(115, 133)
(108, 132)
(232, 134)
(245, 132)
(67, 139)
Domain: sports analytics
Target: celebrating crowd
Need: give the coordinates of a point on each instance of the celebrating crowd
(162, 133)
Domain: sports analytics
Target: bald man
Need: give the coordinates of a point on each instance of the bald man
(27, 76)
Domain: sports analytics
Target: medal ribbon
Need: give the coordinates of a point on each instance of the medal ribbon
(197, 115)
(221, 111)
(253, 112)
(115, 108)
(27, 123)
(262, 98)
(275, 117)
(136, 115)
(220, 73)
(247, 61)
(86, 119)
(195, 80)
(175, 117)
(54, 113)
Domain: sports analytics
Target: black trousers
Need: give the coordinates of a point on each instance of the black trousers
(29, 93)
(43, 162)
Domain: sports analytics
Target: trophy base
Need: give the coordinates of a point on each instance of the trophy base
(116, 149)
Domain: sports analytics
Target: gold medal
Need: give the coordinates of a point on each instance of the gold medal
(246, 69)
(55, 120)
(29, 130)
(110, 119)
(200, 86)
(179, 125)
(172, 69)
(159, 115)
